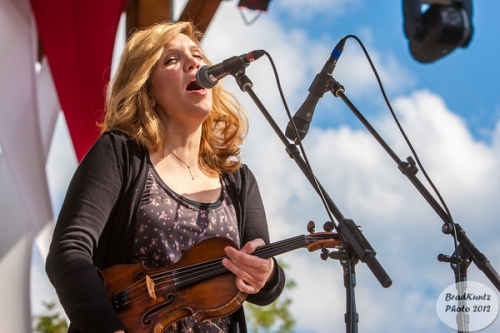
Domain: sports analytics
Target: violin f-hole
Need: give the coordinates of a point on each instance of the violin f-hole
(146, 320)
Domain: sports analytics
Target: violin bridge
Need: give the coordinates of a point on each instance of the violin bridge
(151, 287)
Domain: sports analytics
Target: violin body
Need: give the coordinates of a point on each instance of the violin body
(153, 309)
(148, 300)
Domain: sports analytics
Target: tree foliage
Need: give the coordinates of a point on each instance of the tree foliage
(275, 317)
(52, 321)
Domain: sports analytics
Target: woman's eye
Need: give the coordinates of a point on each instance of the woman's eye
(170, 61)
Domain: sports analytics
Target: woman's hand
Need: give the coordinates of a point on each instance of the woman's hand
(251, 272)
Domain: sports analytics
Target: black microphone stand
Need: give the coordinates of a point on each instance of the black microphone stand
(466, 250)
(356, 246)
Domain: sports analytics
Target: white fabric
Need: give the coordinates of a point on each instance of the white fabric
(20, 137)
(15, 312)
(48, 105)
(25, 136)
(15, 257)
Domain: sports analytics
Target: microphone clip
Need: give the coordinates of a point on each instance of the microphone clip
(321, 84)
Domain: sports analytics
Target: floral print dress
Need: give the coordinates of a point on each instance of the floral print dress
(168, 223)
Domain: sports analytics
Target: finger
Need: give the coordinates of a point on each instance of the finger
(245, 287)
(246, 261)
(242, 271)
(253, 281)
(250, 269)
(250, 246)
(244, 281)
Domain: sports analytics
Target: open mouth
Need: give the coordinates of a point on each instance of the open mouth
(193, 86)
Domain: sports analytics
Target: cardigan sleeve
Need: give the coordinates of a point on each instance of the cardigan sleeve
(90, 200)
(255, 226)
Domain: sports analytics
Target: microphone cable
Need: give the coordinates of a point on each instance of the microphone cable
(410, 145)
(316, 185)
(298, 142)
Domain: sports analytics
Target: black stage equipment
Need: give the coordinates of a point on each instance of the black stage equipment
(435, 28)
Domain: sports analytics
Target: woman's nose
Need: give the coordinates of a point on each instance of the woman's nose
(193, 63)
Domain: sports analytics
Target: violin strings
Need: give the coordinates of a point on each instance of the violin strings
(139, 288)
(189, 274)
(201, 271)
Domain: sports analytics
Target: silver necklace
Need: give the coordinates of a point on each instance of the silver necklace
(180, 159)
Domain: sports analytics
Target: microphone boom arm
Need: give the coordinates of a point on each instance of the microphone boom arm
(355, 245)
(410, 170)
(347, 229)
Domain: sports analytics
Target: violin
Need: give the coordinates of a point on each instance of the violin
(148, 300)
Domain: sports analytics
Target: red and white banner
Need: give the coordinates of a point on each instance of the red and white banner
(78, 40)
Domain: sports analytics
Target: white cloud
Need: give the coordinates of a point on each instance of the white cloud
(364, 182)
(397, 222)
(458, 164)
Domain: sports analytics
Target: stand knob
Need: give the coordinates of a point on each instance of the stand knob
(447, 228)
(325, 254)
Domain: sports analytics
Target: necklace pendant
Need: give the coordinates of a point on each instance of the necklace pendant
(189, 168)
(180, 159)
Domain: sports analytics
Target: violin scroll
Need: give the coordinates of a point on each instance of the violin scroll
(325, 240)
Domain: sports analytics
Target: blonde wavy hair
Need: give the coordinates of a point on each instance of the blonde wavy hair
(128, 108)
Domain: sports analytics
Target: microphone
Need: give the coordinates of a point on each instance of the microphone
(303, 117)
(208, 76)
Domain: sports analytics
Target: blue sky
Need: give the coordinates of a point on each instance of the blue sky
(468, 78)
(450, 109)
